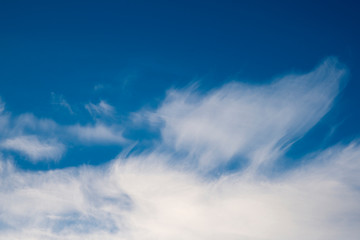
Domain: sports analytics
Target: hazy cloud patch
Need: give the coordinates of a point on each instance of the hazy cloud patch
(102, 109)
(34, 148)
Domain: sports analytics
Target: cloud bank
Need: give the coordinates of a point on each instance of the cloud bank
(143, 199)
(163, 193)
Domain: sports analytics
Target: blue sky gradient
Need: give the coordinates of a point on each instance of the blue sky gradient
(130, 53)
(118, 119)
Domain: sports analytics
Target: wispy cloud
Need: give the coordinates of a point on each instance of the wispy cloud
(98, 133)
(154, 195)
(4, 118)
(99, 87)
(2, 106)
(102, 109)
(31, 137)
(60, 100)
(255, 122)
(34, 148)
(41, 139)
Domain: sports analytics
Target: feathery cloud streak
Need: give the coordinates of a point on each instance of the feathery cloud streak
(255, 122)
(147, 196)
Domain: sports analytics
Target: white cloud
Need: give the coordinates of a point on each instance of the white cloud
(256, 122)
(33, 148)
(42, 139)
(98, 133)
(145, 199)
(28, 121)
(102, 109)
(30, 136)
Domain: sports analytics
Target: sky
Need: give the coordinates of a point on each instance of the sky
(179, 120)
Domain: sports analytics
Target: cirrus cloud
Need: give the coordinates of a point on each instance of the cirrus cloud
(155, 195)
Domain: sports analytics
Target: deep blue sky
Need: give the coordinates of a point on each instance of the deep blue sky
(137, 50)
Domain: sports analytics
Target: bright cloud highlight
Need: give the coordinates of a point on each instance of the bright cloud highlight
(144, 199)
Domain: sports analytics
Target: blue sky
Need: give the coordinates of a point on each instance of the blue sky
(118, 119)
